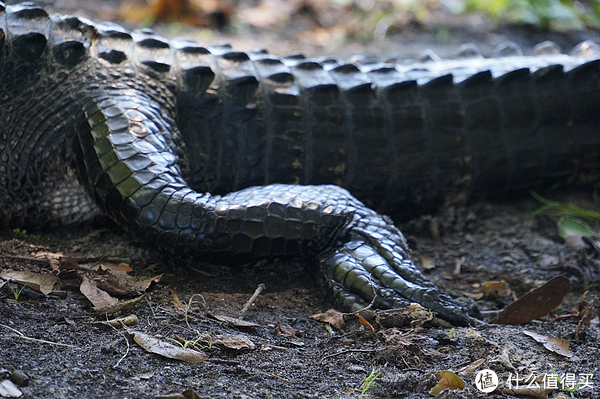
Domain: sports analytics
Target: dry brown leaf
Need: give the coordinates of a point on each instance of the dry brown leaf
(67, 263)
(43, 283)
(556, 345)
(121, 306)
(99, 298)
(162, 348)
(332, 317)
(286, 330)
(142, 283)
(448, 380)
(538, 393)
(112, 283)
(231, 341)
(122, 267)
(235, 321)
(536, 303)
(116, 281)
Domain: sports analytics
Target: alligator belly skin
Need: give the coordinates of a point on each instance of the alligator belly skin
(231, 157)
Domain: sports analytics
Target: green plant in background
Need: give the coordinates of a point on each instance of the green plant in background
(16, 292)
(546, 14)
(571, 225)
(563, 209)
(193, 342)
(367, 382)
(23, 233)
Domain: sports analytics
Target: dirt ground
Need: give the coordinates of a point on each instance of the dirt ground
(292, 355)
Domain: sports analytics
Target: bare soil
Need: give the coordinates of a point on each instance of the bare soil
(490, 241)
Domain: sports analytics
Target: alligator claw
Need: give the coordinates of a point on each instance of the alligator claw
(371, 263)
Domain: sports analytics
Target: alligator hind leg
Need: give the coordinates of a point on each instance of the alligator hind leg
(126, 160)
(371, 262)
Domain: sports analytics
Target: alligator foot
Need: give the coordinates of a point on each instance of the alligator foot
(371, 263)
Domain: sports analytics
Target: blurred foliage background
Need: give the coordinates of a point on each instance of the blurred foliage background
(542, 14)
(545, 14)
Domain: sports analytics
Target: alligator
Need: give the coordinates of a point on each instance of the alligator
(230, 157)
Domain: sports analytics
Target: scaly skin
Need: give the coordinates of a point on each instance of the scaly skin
(99, 119)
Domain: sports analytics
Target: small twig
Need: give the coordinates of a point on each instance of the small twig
(151, 307)
(21, 335)
(126, 341)
(257, 292)
(188, 307)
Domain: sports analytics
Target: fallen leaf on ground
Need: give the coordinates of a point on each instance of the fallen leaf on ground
(99, 298)
(332, 317)
(162, 348)
(448, 380)
(556, 345)
(118, 283)
(37, 281)
(110, 282)
(123, 267)
(286, 330)
(536, 303)
(121, 306)
(231, 341)
(235, 321)
(538, 393)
